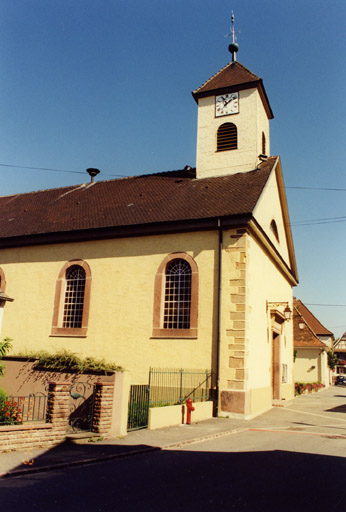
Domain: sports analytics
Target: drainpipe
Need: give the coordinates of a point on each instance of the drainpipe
(218, 338)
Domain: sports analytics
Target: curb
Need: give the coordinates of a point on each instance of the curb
(94, 460)
(80, 462)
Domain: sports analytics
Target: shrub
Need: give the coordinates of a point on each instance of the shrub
(5, 346)
(3, 394)
(300, 387)
(65, 361)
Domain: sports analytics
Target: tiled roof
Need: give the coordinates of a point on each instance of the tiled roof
(233, 75)
(303, 333)
(136, 201)
(340, 345)
(304, 337)
(315, 324)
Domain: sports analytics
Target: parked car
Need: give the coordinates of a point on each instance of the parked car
(340, 380)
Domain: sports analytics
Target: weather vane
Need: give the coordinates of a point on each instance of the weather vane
(233, 47)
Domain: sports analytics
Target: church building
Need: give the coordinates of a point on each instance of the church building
(191, 268)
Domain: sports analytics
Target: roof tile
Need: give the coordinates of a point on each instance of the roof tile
(141, 200)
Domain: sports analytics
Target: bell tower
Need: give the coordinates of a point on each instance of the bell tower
(233, 120)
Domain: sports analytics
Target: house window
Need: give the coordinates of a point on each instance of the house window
(72, 300)
(227, 137)
(74, 296)
(176, 297)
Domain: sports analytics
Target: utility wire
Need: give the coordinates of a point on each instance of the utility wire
(298, 223)
(54, 170)
(329, 305)
(125, 176)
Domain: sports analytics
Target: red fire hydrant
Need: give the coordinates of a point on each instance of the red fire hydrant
(189, 409)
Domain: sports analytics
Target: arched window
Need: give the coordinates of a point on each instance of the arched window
(176, 297)
(74, 296)
(72, 300)
(227, 137)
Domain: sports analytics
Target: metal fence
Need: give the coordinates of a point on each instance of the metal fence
(170, 386)
(15, 410)
(138, 411)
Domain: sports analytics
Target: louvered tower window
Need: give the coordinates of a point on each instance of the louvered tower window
(177, 304)
(227, 137)
(263, 144)
(74, 297)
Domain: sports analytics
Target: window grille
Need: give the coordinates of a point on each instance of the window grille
(74, 297)
(227, 137)
(177, 306)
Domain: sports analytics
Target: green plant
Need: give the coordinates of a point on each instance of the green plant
(295, 352)
(3, 394)
(5, 347)
(332, 360)
(68, 361)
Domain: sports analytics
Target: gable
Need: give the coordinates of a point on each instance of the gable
(271, 213)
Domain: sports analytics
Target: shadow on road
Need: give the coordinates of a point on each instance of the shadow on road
(178, 480)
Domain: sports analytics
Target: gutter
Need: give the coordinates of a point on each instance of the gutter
(218, 337)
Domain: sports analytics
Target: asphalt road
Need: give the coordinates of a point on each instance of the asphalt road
(293, 459)
(257, 471)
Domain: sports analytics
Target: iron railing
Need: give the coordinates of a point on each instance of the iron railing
(170, 386)
(138, 411)
(15, 410)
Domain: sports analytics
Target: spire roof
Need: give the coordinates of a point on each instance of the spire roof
(234, 76)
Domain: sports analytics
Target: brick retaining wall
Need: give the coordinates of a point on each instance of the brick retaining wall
(103, 405)
(35, 435)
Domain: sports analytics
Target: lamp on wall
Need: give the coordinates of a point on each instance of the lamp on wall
(287, 311)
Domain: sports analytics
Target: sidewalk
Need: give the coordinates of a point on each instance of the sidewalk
(87, 451)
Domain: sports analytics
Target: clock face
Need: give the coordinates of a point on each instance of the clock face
(227, 104)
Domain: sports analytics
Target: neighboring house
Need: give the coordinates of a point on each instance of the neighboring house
(340, 352)
(312, 341)
(188, 269)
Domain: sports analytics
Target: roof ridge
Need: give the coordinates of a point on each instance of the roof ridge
(123, 178)
(229, 64)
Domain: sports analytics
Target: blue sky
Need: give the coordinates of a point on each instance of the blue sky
(108, 84)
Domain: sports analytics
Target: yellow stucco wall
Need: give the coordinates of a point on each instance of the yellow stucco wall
(307, 366)
(266, 283)
(269, 208)
(121, 307)
(250, 121)
(250, 280)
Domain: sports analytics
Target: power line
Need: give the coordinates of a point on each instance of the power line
(54, 170)
(312, 222)
(124, 176)
(328, 305)
(320, 188)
